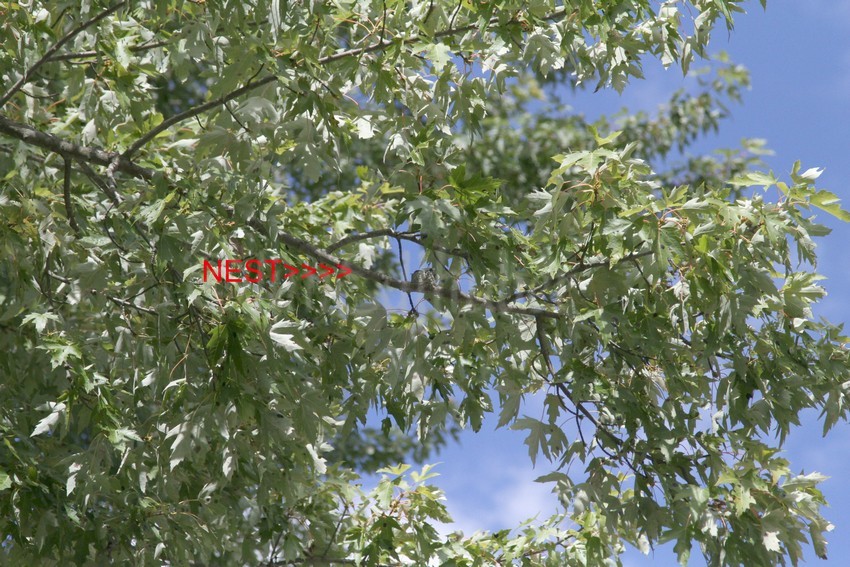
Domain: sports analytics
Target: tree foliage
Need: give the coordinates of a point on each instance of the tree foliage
(663, 314)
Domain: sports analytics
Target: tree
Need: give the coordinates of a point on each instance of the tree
(151, 413)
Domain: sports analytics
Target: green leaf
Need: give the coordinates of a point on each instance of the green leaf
(5, 481)
(828, 202)
(286, 340)
(754, 178)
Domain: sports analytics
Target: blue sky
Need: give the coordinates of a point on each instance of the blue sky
(798, 54)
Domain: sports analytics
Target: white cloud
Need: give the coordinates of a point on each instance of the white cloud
(497, 495)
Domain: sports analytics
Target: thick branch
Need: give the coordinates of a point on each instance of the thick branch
(121, 163)
(200, 109)
(56, 47)
(34, 137)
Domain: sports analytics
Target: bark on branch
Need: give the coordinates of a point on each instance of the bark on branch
(30, 135)
(118, 162)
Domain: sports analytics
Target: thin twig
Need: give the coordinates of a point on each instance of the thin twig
(544, 350)
(110, 191)
(116, 300)
(131, 305)
(273, 551)
(56, 47)
(455, 295)
(384, 21)
(404, 274)
(404, 235)
(100, 183)
(573, 271)
(315, 561)
(367, 235)
(227, 106)
(454, 15)
(336, 530)
(66, 194)
(428, 13)
(200, 109)
(93, 53)
(251, 85)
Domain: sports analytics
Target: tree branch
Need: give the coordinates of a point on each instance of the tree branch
(249, 86)
(66, 195)
(315, 560)
(56, 47)
(34, 137)
(116, 300)
(121, 163)
(131, 305)
(562, 388)
(573, 271)
(94, 53)
(403, 235)
(95, 178)
(117, 162)
(367, 235)
(450, 31)
(200, 109)
(449, 293)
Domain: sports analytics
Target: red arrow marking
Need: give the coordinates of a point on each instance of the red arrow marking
(343, 271)
(290, 271)
(310, 271)
(326, 271)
